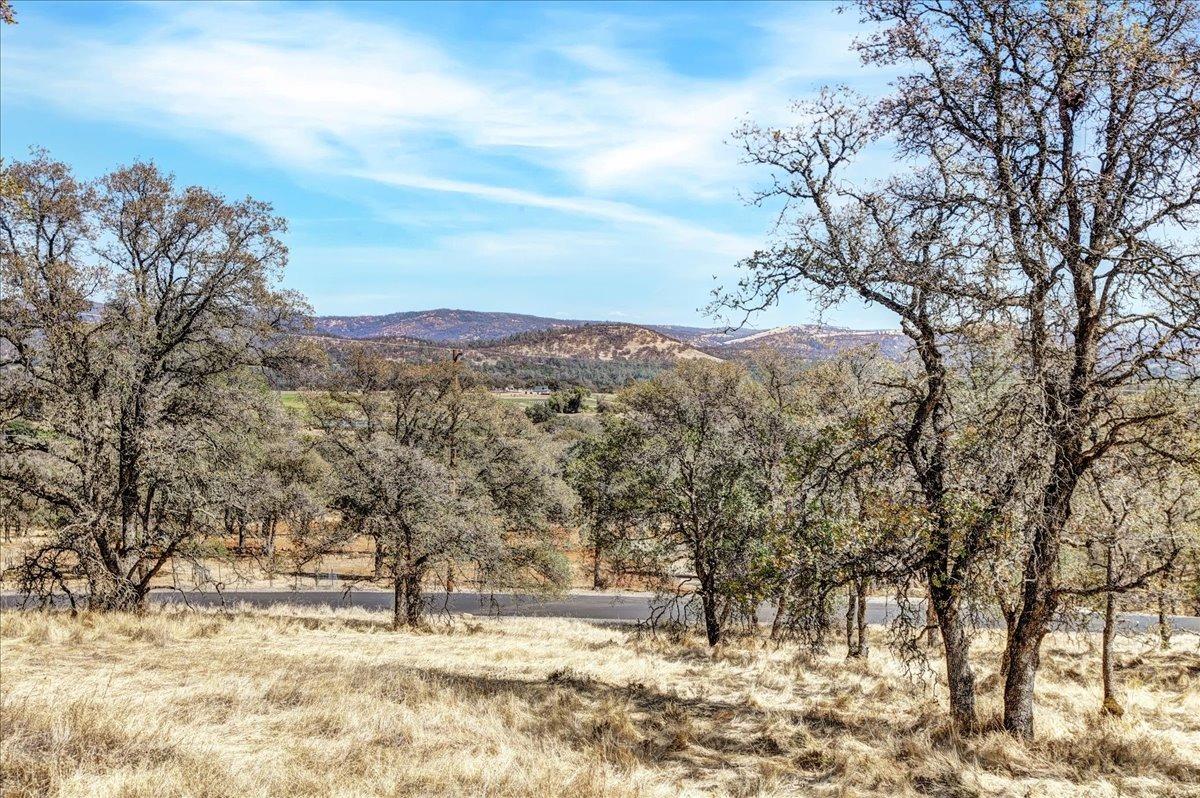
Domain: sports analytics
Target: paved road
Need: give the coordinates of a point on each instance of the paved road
(583, 606)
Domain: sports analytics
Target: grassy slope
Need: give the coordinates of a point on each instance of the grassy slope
(527, 399)
(292, 400)
(305, 703)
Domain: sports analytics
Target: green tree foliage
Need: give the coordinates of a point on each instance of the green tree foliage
(596, 375)
(846, 515)
(277, 481)
(439, 474)
(568, 401)
(612, 491)
(540, 412)
(684, 477)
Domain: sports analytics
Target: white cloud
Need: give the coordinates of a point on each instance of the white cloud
(315, 88)
(725, 243)
(616, 138)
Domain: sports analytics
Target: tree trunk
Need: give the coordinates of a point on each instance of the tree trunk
(1024, 659)
(597, 578)
(413, 599)
(852, 650)
(1164, 623)
(712, 625)
(399, 602)
(1010, 625)
(864, 642)
(960, 678)
(268, 529)
(931, 624)
(1039, 594)
(1110, 705)
(1039, 602)
(109, 593)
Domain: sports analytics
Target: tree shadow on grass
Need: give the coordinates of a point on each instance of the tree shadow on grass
(634, 724)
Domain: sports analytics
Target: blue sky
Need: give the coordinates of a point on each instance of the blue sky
(557, 159)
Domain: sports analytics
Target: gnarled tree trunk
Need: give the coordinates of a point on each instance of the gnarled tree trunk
(108, 591)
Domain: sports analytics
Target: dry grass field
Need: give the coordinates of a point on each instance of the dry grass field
(320, 703)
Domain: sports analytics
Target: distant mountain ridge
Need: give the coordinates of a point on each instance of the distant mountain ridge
(814, 342)
(553, 337)
(703, 336)
(440, 326)
(455, 326)
(514, 349)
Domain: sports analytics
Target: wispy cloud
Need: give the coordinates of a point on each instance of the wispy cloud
(624, 213)
(316, 89)
(568, 120)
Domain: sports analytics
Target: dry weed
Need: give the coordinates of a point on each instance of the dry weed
(303, 702)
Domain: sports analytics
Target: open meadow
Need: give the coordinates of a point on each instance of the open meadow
(332, 703)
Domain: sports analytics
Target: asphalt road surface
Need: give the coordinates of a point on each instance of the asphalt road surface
(582, 606)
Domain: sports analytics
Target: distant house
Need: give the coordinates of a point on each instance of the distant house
(541, 390)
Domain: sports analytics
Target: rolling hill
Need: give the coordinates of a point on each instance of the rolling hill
(813, 342)
(465, 328)
(521, 349)
(442, 326)
(450, 326)
(703, 336)
(602, 341)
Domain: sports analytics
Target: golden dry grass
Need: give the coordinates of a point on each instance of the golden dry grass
(310, 703)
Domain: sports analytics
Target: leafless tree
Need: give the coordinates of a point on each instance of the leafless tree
(1134, 522)
(136, 322)
(1050, 187)
(909, 256)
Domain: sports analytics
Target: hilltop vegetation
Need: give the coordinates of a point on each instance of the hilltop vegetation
(600, 357)
(596, 342)
(494, 362)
